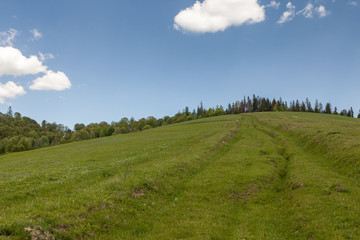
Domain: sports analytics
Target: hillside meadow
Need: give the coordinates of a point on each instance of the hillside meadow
(273, 175)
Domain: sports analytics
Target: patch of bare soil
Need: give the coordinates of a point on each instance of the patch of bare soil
(138, 193)
(37, 233)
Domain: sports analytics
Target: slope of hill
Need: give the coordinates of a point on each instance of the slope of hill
(251, 176)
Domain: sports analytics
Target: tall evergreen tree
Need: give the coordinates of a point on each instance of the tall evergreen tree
(308, 105)
(335, 111)
(297, 106)
(249, 105)
(10, 112)
(328, 108)
(303, 107)
(317, 109)
(255, 104)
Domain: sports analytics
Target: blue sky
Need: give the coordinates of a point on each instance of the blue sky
(104, 60)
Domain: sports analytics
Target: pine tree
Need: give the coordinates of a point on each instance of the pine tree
(255, 104)
(317, 110)
(10, 112)
(273, 104)
(335, 111)
(303, 107)
(350, 112)
(308, 105)
(297, 106)
(328, 108)
(249, 105)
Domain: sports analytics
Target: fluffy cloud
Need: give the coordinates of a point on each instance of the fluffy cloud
(218, 15)
(12, 62)
(6, 38)
(321, 10)
(10, 90)
(288, 15)
(36, 34)
(51, 81)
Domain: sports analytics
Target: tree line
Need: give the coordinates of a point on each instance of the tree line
(20, 133)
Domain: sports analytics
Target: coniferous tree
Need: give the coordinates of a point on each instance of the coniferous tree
(255, 104)
(297, 106)
(200, 110)
(228, 110)
(249, 105)
(281, 103)
(317, 108)
(10, 112)
(308, 105)
(328, 108)
(242, 107)
(187, 111)
(303, 107)
(273, 104)
(292, 106)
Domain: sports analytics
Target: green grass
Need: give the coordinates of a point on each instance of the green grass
(251, 176)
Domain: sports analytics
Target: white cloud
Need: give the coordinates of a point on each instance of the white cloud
(218, 15)
(45, 56)
(6, 38)
(321, 10)
(36, 34)
(273, 4)
(51, 81)
(12, 62)
(307, 11)
(352, 3)
(10, 90)
(288, 15)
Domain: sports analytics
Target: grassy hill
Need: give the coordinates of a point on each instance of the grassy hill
(250, 176)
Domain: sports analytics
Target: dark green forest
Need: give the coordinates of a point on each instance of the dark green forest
(20, 133)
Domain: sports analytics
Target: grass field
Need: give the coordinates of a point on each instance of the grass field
(251, 176)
